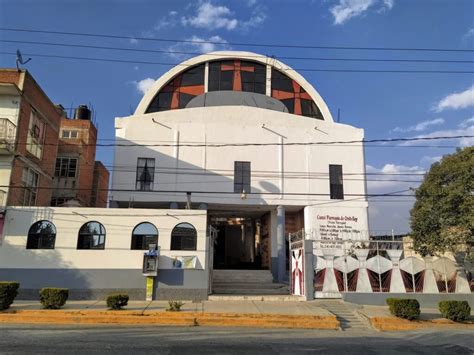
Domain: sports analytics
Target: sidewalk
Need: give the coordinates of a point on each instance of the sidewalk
(381, 319)
(215, 313)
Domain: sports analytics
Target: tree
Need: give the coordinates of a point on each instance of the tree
(442, 218)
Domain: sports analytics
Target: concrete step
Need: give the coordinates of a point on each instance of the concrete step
(249, 285)
(270, 298)
(240, 291)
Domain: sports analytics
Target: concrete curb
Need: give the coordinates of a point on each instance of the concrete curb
(170, 318)
(398, 324)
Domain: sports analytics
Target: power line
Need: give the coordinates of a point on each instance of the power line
(267, 45)
(201, 192)
(221, 145)
(55, 44)
(283, 69)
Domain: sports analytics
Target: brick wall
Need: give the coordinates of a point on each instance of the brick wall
(33, 98)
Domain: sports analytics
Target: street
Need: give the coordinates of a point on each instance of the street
(46, 339)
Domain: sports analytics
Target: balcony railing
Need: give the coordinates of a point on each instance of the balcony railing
(7, 135)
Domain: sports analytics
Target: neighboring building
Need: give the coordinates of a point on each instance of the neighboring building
(29, 128)
(77, 175)
(248, 139)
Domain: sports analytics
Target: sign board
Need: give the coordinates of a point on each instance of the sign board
(297, 271)
(330, 227)
(184, 262)
(149, 288)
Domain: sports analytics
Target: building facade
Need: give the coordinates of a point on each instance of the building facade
(77, 175)
(248, 139)
(29, 133)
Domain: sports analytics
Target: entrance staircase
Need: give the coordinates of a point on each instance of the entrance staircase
(246, 282)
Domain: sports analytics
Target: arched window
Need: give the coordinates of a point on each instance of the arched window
(42, 235)
(143, 235)
(183, 237)
(91, 236)
(179, 91)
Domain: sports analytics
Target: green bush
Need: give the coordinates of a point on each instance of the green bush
(117, 301)
(404, 308)
(53, 298)
(455, 310)
(174, 306)
(8, 292)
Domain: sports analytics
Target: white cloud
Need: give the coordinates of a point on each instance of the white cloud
(467, 130)
(466, 123)
(421, 126)
(144, 85)
(211, 17)
(457, 100)
(387, 213)
(347, 9)
(469, 34)
(431, 159)
(387, 180)
(168, 21)
(198, 44)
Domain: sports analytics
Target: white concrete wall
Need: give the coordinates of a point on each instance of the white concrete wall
(118, 223)
(274, 168)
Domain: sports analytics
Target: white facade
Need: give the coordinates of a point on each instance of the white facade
(100, 271)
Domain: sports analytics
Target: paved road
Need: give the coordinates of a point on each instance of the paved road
(203, 340)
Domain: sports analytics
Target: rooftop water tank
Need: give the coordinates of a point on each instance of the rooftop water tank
(82, 113)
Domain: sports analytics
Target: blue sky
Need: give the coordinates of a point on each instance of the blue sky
(386, 105)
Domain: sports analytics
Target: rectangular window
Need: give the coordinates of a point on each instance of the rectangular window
(30, 186)
(68, 134)
(336, 188)
(36, 134)
(145, 174)
(242, 176)
(66, 167)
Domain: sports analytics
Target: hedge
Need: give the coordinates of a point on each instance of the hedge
(117, 301)
(53, 298)
(404, 308)
(8, 292)
(455, 310)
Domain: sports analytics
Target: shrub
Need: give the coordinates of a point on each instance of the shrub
(117, 301)
(8, 292)
(404, 308)
(53, 298)
(455, 310)
(174, 306)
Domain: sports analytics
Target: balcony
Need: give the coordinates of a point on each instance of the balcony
(7, 136)
(3, 200)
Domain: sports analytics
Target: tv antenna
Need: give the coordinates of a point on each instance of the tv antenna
(19, 60)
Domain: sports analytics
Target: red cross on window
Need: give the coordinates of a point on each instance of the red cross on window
(238, 69)
(297, 94)
(175, 87)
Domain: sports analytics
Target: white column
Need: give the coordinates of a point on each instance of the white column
(396, 281)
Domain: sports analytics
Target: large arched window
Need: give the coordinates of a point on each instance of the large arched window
(179, 91)
(237, 75)
(184, 237)
(42, 235)
(292, 94)
(91, 236)
(143, 235)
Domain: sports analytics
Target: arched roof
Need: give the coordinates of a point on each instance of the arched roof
(166, 78)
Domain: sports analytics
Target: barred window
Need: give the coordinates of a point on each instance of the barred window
(145, 174)
(143, 235)
(237, 75)
(91, 236)
(36, 134)
(66, 167)
(336, 182)
(42, 235)
(30, 180)
(184, 237)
